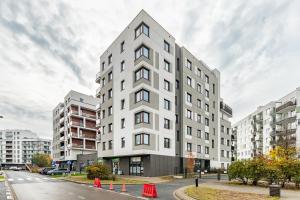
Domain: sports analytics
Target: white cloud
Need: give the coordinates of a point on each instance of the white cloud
(50, 47)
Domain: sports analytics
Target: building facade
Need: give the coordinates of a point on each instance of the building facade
(18, 146)
(271, 125)
(159, 105)
(74, 127)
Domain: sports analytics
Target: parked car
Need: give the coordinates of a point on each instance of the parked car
(58, 172)
(46, 169)
(14, 168)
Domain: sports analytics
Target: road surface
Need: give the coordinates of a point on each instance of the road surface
(28, 186)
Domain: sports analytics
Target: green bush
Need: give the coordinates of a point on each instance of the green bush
(238, 170)
(41, 160)
(256, 169)
(99, 171)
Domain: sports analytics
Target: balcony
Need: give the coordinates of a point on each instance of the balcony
(98, 76)
(290, 105)
(72, 123)
(79, 146)
(61, 129)
(90, 146)
(98, 92)
(286, 120)
(61, 121)
(61, 111)
(98, 123)
(89, 115)
(98, 106)
(62, 138)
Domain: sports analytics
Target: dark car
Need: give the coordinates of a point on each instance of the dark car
(46, 169)
(58, 172)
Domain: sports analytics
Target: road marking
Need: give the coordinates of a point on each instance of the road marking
(37, 179)
(45, 178)
(28, 179)
(20, 179)
(81, 197)
(10, 179)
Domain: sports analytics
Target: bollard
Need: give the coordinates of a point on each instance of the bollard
(196, 182)
(219, 175)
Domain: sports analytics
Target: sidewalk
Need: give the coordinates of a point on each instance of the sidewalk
(143, 178)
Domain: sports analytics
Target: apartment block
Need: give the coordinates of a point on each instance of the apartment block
(74, 127)
(271, 125)
(159, 105)
(18, 146)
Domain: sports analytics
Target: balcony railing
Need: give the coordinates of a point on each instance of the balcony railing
(89, 115)
(77, 145)
(90, 147)
(285, 105)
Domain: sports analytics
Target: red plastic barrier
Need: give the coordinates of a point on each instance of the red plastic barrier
(149, 190)
(97, 183)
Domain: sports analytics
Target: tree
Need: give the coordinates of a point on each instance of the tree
(41, 160)
(256, 169)
(238, 170)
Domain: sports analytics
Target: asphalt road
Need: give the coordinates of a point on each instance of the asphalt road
(28, 186)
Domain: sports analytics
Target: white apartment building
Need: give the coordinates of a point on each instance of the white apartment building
(74, 127)
(18, 146)
(276, 123)
(159, 105)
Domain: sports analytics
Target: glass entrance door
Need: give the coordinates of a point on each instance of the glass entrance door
(136, 167)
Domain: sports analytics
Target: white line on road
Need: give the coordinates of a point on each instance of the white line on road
(20, 179)
(29, 178)
(10, 179)
(45, 178)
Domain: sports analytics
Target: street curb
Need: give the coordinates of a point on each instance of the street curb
(180, 195)
(11, 190)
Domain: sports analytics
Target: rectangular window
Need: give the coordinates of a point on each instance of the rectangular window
(110, 76)
(206, 136)
(103, 82)
(122, 65)
(199, 72)
(212, 143)
(198, 148)
(123, 123)
(228, 143)
(206, 122)
(222, 141)
(167, 66)
(103, 130)
(214, 88)
(206, 107)
(110, 127)
(177, 84)
(206, 79)
(227, 131)
(189, 81)
(109, 59)
(167, 142)
(142, 73)
(142, 117)
(199, 88)
(103, 114)
(103, 146)
(142, 139)
(166, 123)
(110, 144)
(142, 28)
(199, 103)
(122, 104)
(142, 95)
(122, 85)
(198, 118)
(110, 94)
(103, 66)
(178, 64)
(166, 46)
(227, 153)
(188, 114)
(177, 136)
(110, 110)
(167, 104)
(206, 150)
(222, 129)
(167, 85)
(142, 51)
(189, 130)
(213, 117)
(199, 134)
(189, 147)
(207, 93)
(122, 46)
(222, 153)
(176, 118)
(189, 97)
(189, 64)
(122, 142)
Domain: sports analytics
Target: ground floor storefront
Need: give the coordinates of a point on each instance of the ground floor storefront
(152, 165)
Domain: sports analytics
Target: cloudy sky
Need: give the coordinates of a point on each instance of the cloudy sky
(50, 47)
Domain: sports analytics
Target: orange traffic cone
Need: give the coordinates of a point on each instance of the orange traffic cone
(111, 187)
(123, 188)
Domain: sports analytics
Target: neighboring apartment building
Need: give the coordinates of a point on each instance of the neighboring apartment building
(18, 146)
(276, 123)
(159, 105)
(74, 127)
